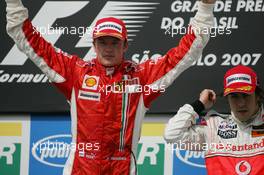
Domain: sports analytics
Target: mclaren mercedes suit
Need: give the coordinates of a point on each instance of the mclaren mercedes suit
(231, 147)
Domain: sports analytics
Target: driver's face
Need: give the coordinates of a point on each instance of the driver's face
(110, 50)
(244, 106)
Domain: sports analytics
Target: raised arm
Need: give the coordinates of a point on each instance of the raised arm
(183, 131)
(186, 128)
(52, 61)
(163, 71)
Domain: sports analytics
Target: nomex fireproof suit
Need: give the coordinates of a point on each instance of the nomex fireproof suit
(231, 146)
(108, 122)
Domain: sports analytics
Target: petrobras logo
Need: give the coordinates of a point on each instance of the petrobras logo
(192, 158)
(52, 150)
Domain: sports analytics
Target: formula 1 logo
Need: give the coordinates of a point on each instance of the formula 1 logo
(134, 14)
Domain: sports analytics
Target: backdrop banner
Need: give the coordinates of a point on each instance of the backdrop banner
(154, 26)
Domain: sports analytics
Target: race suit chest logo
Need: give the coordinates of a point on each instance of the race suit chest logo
(90, 82)
(94, 96)
(127, 85)
(243, 168)
(227, 129)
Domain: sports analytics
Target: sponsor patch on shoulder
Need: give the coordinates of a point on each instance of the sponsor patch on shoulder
(89, 95)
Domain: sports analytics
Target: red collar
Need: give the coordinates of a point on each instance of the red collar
(111, 70)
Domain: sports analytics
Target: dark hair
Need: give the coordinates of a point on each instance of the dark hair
(260, 93)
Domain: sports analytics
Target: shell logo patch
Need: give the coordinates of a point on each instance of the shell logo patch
(90, 82)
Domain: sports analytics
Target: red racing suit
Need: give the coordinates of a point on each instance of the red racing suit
(107, 104)
(231, 147)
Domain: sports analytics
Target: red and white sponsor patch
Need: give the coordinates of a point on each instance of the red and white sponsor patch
(238, 78)
(89, 95)
(109, 26)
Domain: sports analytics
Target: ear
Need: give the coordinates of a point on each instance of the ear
(125, 46)
(258, 98)
(94, 45)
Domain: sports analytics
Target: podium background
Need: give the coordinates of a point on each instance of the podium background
(239, 41)
(40, 113)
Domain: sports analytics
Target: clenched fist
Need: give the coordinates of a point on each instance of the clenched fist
(208, 98)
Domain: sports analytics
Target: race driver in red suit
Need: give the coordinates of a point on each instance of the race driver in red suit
(108, 95)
